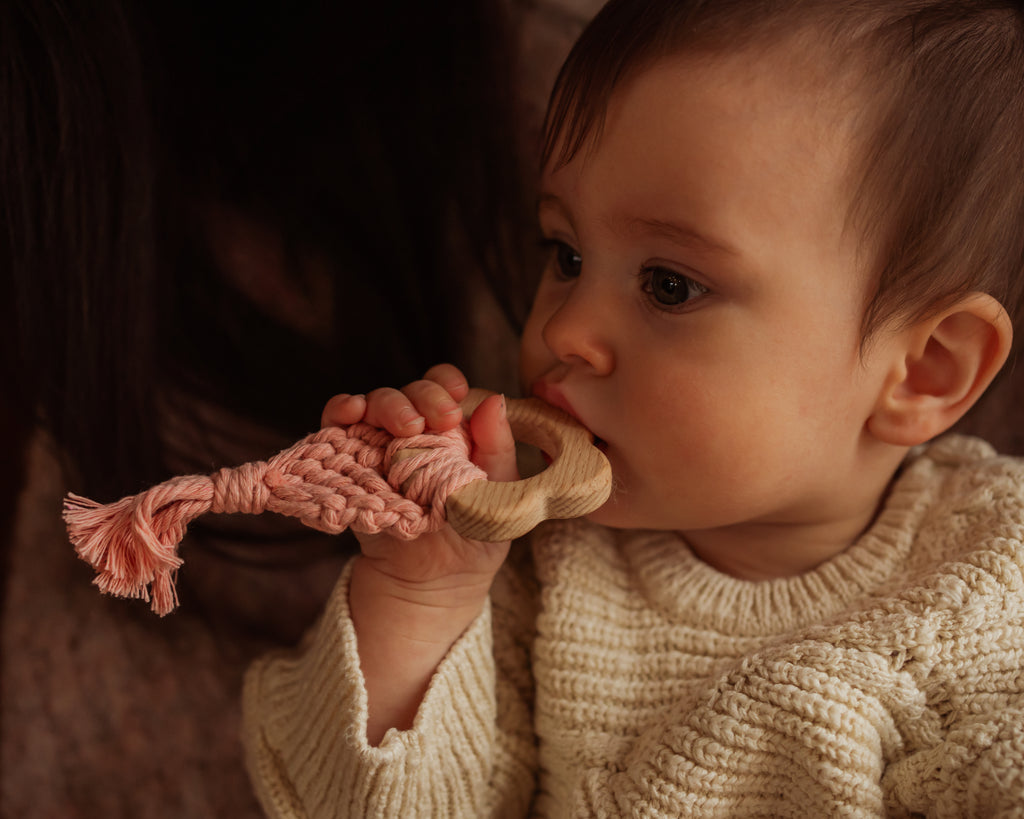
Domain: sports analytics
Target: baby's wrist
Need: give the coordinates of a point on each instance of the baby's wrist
(437, 611)
(403, 631)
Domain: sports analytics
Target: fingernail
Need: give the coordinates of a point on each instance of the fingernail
(408, 416)
(448, 407)
(504, 407)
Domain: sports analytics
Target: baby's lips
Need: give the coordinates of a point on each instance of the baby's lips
(550, 394)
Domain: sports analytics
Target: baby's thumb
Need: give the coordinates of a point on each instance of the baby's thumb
(494, 448)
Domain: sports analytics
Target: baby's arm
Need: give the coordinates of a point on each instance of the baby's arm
(471, 751)
(411, 600)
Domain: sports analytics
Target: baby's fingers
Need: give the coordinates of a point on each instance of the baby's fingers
(435, 404)
(417, 407)
(430, 404)
(494, 448)
(343, 410)
(392, 410)
(450, 378)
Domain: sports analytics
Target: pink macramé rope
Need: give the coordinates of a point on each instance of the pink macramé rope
(336, 479)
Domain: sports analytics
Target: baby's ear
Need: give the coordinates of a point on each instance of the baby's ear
(942, 366)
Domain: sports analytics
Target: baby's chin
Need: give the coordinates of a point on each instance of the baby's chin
(619, 512)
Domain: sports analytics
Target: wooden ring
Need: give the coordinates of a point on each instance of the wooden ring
(577, 481)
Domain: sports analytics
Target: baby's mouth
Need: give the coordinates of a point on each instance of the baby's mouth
(551, 394)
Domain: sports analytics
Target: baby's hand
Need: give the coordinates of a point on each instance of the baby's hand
(432, 405)
(410, 600)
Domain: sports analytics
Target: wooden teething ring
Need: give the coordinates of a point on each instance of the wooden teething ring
(577, 481)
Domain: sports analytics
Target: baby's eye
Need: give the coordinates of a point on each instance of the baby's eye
(668, 288)
(567, 261)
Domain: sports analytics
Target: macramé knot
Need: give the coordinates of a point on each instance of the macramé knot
(356, 477)
(241, 490)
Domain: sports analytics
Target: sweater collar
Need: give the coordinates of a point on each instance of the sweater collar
(684, 588)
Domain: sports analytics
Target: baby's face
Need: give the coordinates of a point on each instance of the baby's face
(701, 308)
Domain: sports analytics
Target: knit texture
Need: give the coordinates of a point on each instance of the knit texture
(886, 682)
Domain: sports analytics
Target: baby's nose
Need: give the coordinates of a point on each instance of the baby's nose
(580, 332)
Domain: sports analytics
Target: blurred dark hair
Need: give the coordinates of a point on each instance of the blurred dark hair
(376, 140)
(77, 241)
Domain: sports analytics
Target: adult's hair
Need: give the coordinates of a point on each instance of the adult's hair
(77, 237)
(377, 141)
(938, 188)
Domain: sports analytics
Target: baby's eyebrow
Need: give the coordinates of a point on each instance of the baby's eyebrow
(682, 235)
(548, 200)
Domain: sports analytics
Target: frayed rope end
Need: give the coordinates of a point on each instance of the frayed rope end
(118, 541)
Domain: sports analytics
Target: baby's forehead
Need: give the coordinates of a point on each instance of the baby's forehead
(707, 139)
(820, 111)
(779, 75)
(797, 70)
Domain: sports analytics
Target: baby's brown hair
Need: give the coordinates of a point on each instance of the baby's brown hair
(938, 187)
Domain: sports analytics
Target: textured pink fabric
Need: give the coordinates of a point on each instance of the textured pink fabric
(336, 479)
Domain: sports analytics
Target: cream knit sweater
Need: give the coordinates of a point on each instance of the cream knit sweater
(614, 674)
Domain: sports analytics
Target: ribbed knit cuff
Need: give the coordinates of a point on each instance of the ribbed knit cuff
(305, 730)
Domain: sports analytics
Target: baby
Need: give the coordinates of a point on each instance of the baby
(785, 255)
